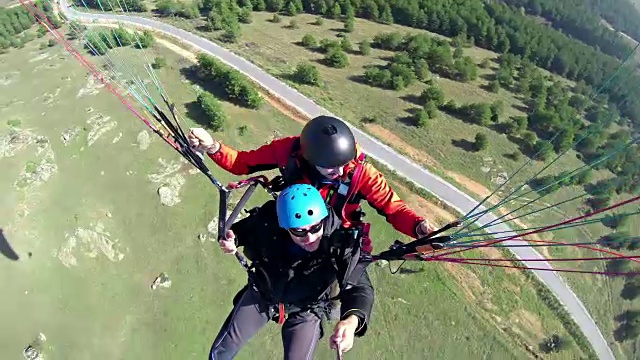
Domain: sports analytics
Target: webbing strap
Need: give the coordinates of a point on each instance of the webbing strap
(281, 314)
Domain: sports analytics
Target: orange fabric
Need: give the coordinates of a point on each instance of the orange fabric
(372, 185)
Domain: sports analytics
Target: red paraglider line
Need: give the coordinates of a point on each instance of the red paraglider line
(617, 254)
(42, 18)
(547, 259)
(621, 203)
(460, 261)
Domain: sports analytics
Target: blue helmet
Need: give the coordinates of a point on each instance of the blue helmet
(300, 205)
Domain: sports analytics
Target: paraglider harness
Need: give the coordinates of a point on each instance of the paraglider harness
(332, 248)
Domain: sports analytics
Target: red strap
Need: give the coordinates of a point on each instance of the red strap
(281, 314)
(355, 180)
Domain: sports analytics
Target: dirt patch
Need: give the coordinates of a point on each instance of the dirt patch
(528, 323)
(284, 108)
(389, 137)
(177, 49)
(474, 186)
(469, 282)
(493, 253)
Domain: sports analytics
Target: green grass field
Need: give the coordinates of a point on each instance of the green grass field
(101, 306)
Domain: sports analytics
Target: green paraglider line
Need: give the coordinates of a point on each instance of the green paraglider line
(598, 91)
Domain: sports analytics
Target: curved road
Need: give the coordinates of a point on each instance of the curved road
(403, 166)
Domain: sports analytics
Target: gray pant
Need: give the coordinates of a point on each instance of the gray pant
(300, 331)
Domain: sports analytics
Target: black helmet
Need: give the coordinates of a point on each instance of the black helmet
(327, 142)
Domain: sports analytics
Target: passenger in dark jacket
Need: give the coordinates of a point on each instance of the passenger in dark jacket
(298, 249)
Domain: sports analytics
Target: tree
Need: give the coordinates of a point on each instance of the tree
(432, 109)
(336, 11)
(122, 37)
(213, 109)
(167, 7)
(615, 220)
(421, 118)
(494, 86)
(146, 40)
(496, 110)
(421, 69)
(365, 47)
(618, 266)
(328, 46)
(309, 41)
(245, 16)
(349, 25)
(231, 33)
(631, 289)
(345, 44)
(275, 18)
(337, 59)
(529, 138)
(615, 240)
(432, 94)
(598, 202)
(481, 142)
(159, 62)
(554, 344)
(480, 114)
(629, 327)
(291, 9)
(386, 17)
(544, 149)
(306, 73)
(583, 177)
(293, 24)
(274, 5)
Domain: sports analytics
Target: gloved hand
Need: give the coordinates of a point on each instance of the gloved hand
(200, 139)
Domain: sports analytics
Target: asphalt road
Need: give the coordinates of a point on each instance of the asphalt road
(403, 166)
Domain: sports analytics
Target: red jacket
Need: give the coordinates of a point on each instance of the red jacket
(372, 186)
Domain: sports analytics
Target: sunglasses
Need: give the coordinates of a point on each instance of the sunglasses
(303, 232)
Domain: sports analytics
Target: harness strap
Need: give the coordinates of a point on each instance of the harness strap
(281, 314)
